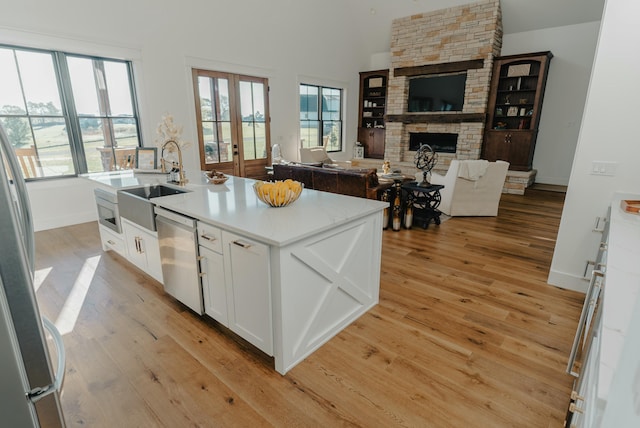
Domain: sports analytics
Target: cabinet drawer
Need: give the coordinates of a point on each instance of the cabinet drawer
(210, 237)
(111, 240)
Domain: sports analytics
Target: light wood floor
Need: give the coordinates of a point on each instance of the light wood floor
(467, 334)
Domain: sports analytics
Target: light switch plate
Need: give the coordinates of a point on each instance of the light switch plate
(604, 168)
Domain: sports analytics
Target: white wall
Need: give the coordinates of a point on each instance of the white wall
(608, 133)
(573, 48)
(280, 39)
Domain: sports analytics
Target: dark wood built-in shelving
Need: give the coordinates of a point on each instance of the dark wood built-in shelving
(371, 117)
(515, 103)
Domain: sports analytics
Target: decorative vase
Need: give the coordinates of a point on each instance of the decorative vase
(408, 216)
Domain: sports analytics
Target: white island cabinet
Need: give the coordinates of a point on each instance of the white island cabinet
(236, 284)
(142, 249)
(246, 268)
(323, 254)
(285, 279)
(214, 285)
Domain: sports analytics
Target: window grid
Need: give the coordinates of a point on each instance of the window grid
(321, 117)
(58, 140)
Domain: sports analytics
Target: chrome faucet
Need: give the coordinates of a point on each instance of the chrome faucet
(182, 180)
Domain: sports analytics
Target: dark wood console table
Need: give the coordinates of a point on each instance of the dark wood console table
(424, 201)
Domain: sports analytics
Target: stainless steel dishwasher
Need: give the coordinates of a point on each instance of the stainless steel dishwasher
(177, 236)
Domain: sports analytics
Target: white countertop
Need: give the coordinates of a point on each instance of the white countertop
(234, 206)
(128, 178)
(621, 290)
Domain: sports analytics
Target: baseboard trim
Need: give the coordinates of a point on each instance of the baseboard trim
(63, 221)
(567, 281)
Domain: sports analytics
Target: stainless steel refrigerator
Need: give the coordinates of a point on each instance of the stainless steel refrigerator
(29, 388)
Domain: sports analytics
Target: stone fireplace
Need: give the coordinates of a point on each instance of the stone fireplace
(451, 41)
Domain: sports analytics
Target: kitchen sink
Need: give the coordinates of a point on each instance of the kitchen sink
(135, 203)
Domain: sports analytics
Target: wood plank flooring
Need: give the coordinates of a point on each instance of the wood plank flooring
(467, 334)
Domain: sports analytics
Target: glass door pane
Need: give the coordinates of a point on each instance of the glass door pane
(215, 119)
(253, 121)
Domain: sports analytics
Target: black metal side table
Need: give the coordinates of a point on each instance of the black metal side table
(423, 201)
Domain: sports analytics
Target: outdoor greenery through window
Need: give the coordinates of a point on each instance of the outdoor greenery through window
(67, 114)
(321, 117)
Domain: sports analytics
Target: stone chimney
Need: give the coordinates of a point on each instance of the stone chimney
(454, 40)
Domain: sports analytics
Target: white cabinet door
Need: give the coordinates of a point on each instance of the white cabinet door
(132, 240)
(246, 265)
(142, 249)
(213, 285)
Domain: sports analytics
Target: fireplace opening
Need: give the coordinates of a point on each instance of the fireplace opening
(439, 142)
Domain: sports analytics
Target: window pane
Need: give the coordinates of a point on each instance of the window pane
(100, 154)
(204, 91)
(252, 110)
(258, 102)
(93, 141)
(223, 99)
(18, 130)
(260, 141)
(246, 101)
(309, 133)
(333, 133)
(11, 101)
(330, 104)
(224, 142)
(52, 145)
(117, 77)
(126, 132)
(308, 102)
(248, 140)
(39, 83)
(211, 152)
(83, 85)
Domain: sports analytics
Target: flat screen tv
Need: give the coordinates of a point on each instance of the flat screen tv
(437, 93)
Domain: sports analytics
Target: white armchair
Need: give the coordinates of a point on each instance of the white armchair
(314, 154)
(471, 188)
(319, 155)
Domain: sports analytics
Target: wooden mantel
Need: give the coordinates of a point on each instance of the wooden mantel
(447, 67)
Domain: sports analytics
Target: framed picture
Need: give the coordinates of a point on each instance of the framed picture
(513, 111)
(523, 111)
(146, 157)
(518, 70)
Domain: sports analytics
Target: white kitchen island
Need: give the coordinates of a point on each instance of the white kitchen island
(316, 271)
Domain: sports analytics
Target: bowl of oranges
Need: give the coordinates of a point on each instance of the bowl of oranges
(278, 193)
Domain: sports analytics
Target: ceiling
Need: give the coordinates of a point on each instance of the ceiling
(526, 15)
(517, 15)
